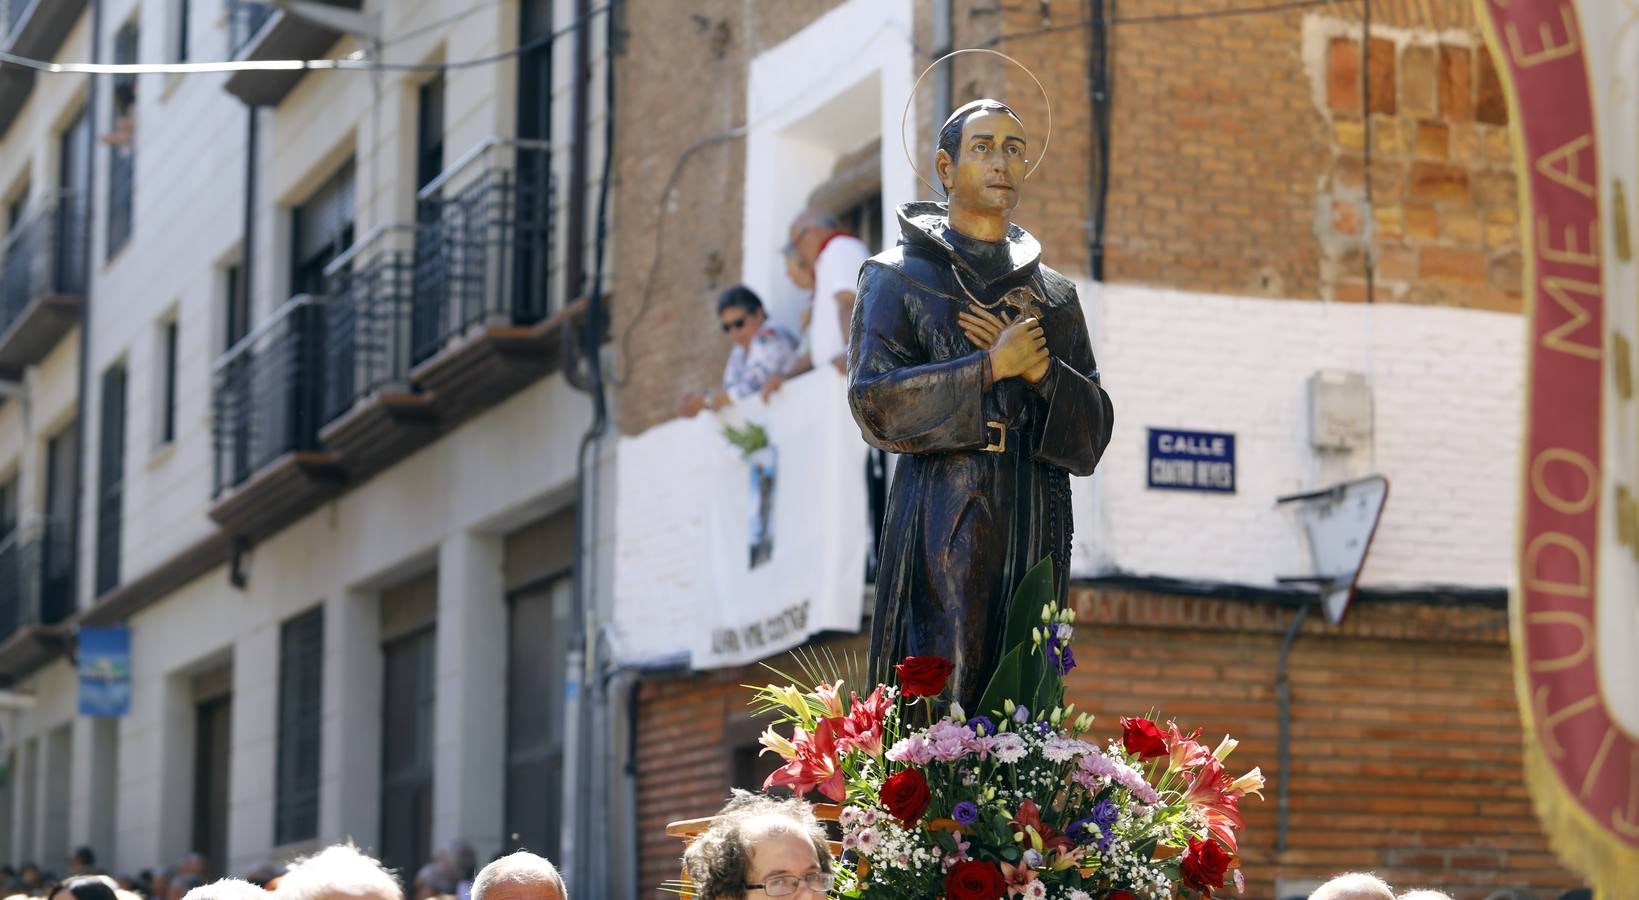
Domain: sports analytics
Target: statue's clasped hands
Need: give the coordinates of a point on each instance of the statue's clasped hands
(1017, 348)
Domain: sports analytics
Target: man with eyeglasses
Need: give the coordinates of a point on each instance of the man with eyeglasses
(762, 350)
(760, 847)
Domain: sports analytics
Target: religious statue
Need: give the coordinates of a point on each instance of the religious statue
(971, 359)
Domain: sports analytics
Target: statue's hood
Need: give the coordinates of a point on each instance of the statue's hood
(922, 224)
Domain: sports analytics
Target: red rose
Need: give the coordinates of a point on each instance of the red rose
(905, 794)
(974, 880)
(1141, 736)
(1120, 895)
(1204, 865)
(923, 676)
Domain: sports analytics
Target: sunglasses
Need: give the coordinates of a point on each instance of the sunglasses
(735, 325)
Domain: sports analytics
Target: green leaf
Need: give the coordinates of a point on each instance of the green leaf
(1007, 683)
(1024, 612)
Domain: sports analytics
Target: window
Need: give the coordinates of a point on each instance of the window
(167, 382)
(321, 229)
(62, 526)
(8, 509)
(407, 751)
(111, 479)
(301, 712)
(237, 308)
(538, 628)
(182, 16)
(122, 160)
(429, 141)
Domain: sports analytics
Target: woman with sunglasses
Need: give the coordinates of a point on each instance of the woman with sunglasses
(760, 847)
(762, 350)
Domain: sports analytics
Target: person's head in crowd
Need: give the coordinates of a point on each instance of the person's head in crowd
(85, 887)
(1354, 886)
(800, 271)
(760, 847)
(227, 889)
(83, 861)
(181, 885)
(436, 878)
(30, 876)
(260, 875)
(519, 876)
(193, 864)
(338, 872)
(808, 233)
(740, 314)
(1425, 894)
(463, 860)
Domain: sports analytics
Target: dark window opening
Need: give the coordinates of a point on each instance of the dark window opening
(111, 479)
(167, 423)
(538, 635)
(321, 229)
(237, 320)
(212, 758)
(301, 707)
(182, 17)
(122, 161)
(407, 752)
(429, 142)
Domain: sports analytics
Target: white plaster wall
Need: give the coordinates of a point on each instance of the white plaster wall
(1446, 386)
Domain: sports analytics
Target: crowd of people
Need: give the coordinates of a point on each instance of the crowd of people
(338, 872)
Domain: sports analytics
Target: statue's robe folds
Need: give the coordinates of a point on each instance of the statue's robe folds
(965, 523)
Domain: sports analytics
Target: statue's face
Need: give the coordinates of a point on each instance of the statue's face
(987, 174)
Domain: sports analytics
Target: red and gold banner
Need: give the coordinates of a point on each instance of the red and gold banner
(1568, 69)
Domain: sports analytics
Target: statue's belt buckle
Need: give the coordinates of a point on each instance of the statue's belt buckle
(999, 445)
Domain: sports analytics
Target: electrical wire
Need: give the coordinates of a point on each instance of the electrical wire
(1161, 18)
(347, 64)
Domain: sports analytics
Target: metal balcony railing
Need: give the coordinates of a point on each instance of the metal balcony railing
(245, 21)
(36, 575)
(483, 251)
(43, 255)
(267, 392)
(367, 322)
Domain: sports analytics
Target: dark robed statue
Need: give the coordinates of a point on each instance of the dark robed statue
(972, 359)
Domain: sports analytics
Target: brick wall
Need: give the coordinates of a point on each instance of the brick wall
(1405, 735)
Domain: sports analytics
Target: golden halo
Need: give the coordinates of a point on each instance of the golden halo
(905, 115)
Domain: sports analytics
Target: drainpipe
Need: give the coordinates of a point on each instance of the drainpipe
(93, 94)
(574, 264)
(1283, 687)
(943, 41)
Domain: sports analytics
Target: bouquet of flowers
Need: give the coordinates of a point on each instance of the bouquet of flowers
(1013, 799)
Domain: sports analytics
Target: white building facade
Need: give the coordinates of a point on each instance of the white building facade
(330, 488)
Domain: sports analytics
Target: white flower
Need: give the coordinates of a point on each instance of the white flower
(868, 818)
(1080, 895)
(868, 841)
(849, 814)
(1008, 747)
(1036, 890)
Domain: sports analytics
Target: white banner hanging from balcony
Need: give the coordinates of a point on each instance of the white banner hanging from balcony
(733, 557)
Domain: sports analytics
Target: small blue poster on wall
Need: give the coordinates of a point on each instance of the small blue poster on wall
(105, 671)
(1192, 461)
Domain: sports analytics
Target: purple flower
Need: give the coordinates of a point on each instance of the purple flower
(1060, 655)
(965, 812)
(1082, 831)
(1021, 715)
(1105, 814)
(981, 725)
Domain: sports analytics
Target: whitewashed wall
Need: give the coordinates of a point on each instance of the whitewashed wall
(1446, 386)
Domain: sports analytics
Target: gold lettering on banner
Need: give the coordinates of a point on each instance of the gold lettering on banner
(1552, 48)
(1572, 252)
(1627, 520)
(1592, 777)
(1622, 365)
(1561, 290)
(1584, 649)
(1619, 221)
(1562, 167)
(1548, 723)
(1627, 822)
(1544, 492)
(1584, 566)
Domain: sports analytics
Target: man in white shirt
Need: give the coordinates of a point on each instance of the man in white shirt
(834, 256)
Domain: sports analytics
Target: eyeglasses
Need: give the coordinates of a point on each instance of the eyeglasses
(735, 325)
(786, 885)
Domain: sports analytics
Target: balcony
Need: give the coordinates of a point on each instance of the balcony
(35, 29)
(36, 596)
(267, 395)
(420, 327)
(258, 32)
(42, 278)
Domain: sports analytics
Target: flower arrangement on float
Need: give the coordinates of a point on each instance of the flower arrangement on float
(1013, 799)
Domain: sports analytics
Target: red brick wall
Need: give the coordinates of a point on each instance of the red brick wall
(1405, 737)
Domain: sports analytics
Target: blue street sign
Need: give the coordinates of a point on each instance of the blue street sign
(105, 671)
(1192, 461)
